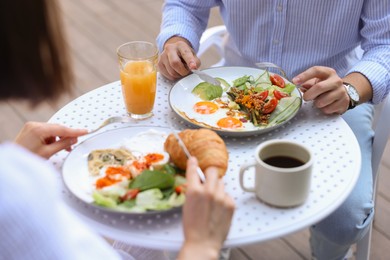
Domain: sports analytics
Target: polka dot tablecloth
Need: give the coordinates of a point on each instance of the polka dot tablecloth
(335, 171)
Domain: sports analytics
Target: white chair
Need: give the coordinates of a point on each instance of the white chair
(214, 36)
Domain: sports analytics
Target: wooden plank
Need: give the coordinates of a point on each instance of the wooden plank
(383, 183)
(380, 249)
(99, 60)
(40, 113)
(271, 250)
(87, 75)
(384, 177)
(146, 15)
(11, 122)
(382, 213)
(299, 242)
(236, 254)
(116, 23)
(386, 154)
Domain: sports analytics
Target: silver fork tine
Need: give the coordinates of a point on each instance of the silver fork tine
(264, 65)
(111, 120)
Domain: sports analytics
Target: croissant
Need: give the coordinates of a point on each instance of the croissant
(204, 144)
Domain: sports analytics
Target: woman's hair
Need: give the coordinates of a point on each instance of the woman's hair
(34, 62)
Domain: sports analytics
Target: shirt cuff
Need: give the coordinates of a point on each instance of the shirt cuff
(181, 31)
(378, 77)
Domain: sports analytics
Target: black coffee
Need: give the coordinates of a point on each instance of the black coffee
(283, 162)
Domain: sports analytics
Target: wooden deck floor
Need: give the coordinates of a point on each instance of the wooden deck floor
(95, 29)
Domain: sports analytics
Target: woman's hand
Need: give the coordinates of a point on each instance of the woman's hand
(207, 214)
(325, 88)
(47, 139)
(177, 59)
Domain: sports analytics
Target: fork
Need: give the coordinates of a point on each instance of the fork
(111, 120)
(264, 65)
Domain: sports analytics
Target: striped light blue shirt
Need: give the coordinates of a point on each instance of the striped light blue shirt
(295, 34)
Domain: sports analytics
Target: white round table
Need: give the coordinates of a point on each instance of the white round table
(335, 172)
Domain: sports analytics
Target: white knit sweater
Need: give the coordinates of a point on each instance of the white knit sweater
(34, 222)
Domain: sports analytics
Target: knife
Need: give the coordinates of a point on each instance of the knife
(206, 77)
(183, 146)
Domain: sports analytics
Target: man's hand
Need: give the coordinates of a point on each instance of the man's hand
(47, 139)
(325, 88)
(177, 59)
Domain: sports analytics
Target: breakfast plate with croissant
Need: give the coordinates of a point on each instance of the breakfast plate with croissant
(139, 169)
(249, 101)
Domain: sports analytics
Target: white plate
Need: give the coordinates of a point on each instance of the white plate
(75, 168)
(182, 100)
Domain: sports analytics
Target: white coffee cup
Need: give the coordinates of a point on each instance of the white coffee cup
(282, 173)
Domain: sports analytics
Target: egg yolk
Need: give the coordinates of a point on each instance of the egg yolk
(148, 160)
(205, 107)
(229, 122)
(113, 175)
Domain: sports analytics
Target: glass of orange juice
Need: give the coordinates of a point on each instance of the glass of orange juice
(138, 73)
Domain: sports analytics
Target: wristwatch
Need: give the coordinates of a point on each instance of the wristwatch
(353, 95)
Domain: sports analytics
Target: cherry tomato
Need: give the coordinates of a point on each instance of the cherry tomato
(130, 194)
(180, 189)
(270, 106)
(262, 95)
(279, 94)
(277, 80)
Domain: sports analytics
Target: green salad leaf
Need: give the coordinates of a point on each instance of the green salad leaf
(154, 190)
(152, 179)
(289, 88)
(263, 79)
(152, 199)
(287, 106)
(180, 180)
(241, 81)
(103, 200)
(176, 200)
(170, 169)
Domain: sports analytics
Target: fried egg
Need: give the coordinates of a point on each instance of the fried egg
(205, 107)
(215, 114)
(144, 146)
(229, 122)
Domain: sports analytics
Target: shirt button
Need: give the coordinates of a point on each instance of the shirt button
(275, 42)
(279, 8)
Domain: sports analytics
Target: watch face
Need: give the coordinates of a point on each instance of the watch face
(353, 93)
